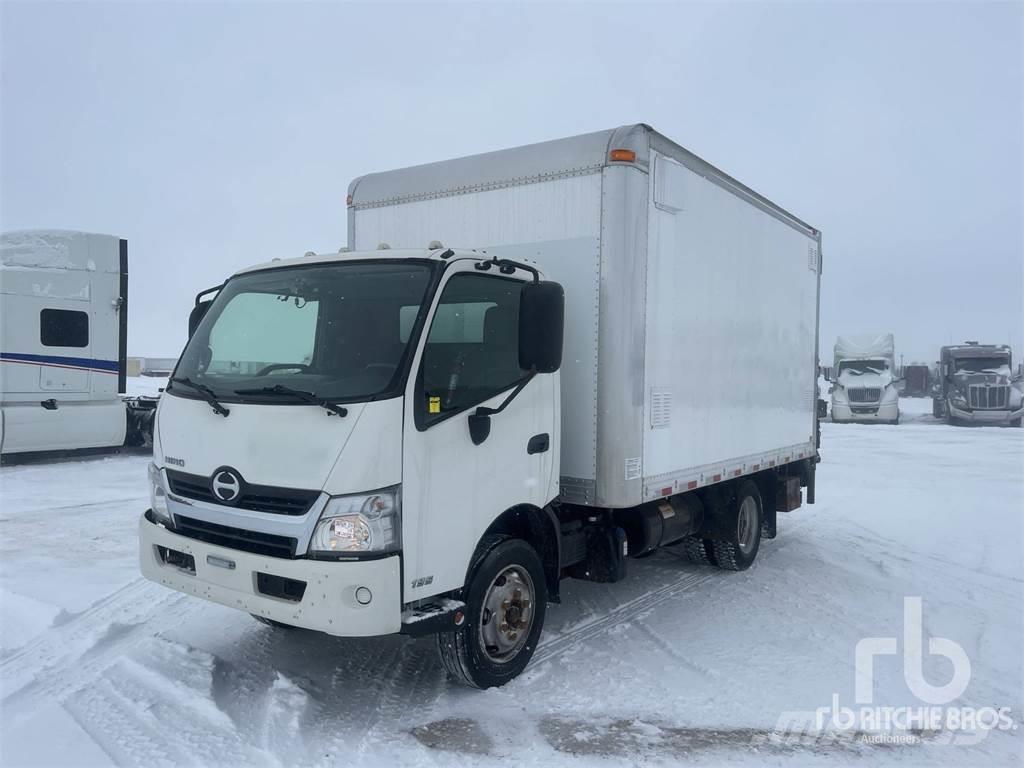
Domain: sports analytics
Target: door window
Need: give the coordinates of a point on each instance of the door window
(472, 351)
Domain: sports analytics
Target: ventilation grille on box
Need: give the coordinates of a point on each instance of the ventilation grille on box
(661, 407)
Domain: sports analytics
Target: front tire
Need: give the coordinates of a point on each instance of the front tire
(738, 551)
(506, 599)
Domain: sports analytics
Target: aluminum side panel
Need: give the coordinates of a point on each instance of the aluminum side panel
(731, 313)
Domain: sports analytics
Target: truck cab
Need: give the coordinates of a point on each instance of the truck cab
(864, 383)
(331, 465)
(975, 386)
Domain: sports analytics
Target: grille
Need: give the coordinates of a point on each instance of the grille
(864, 394)
(982, 397)
(864, 410)
(258, 498)
(235, 538)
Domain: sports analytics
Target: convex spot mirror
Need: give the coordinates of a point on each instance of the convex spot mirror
(541, 326)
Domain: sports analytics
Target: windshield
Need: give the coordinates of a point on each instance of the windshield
(982, 365)
(339, 331)
(859, 367)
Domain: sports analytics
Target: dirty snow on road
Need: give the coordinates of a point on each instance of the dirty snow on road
(678, 662)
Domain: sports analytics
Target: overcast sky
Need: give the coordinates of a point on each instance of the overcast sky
(215, 136)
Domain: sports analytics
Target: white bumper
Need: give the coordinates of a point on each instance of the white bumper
(985, 417)
(885, 413)
(328, 604)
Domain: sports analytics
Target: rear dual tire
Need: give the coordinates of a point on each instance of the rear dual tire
(738, 545)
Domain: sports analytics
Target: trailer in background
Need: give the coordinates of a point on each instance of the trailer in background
(63, 335)
(916, 381)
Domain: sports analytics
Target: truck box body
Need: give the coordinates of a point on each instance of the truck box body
(691, 329)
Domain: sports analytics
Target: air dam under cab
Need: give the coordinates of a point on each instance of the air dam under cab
(391, 439)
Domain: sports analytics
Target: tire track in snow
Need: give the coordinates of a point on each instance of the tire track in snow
(161, 710)
(75, 652)
(560, 644)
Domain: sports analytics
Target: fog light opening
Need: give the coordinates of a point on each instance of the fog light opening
(363, 596)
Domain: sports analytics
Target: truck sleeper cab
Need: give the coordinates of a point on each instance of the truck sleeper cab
(975, 386)
(864, 387)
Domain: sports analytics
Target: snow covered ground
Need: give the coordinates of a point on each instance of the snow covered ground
(676, 663)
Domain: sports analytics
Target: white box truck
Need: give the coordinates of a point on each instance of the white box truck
(864, 382)
(63, 336)
(411, 437)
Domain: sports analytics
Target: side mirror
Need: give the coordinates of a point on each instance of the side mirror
(541, 326)
(197, 314)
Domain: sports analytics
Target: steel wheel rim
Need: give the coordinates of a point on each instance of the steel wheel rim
(506, 616)
(746, 525)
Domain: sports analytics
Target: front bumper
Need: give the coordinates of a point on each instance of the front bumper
(328, 604)
(886, 413)
(985, 417)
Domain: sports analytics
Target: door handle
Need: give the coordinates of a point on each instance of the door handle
(50, 405)
(538, 443)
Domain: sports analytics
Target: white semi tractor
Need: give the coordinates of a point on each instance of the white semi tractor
(864, 381)
(410, 437)
(63, 331)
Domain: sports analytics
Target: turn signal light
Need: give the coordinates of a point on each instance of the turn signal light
(623, 155)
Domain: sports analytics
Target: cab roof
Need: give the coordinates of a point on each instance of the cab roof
(398, 254)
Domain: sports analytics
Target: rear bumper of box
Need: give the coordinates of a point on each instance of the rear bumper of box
(329, 602)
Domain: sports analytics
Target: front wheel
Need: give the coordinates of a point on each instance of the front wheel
(506, 598)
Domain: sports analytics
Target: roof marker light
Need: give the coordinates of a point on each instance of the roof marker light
(435, 245)
(623, 155)
(383, 247)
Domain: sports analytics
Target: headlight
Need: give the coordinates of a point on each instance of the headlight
(958, 399)
(158, 495)
(367, 522)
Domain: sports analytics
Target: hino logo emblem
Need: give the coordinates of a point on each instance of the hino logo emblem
(226, 485)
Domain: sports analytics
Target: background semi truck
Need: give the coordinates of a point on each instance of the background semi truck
(401, 438)
(63, 345)
(864, 380)
(975, 385)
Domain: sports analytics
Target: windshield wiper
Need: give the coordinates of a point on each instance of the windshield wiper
(301, 394)
(208, 394)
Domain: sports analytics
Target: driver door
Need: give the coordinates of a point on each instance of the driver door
(453, 489)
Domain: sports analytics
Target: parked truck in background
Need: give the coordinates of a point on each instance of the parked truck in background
(391, 439)
(864, 380)
(916, 380)
(63, 345)
(975, 386)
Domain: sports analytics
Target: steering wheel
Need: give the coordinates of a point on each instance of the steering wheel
(281, 367)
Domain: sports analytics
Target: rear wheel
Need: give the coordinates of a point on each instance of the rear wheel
(506, 598)
(738, 550)
(697, 550)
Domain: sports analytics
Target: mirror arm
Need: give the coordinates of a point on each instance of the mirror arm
(199, 296)
(480, 421)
